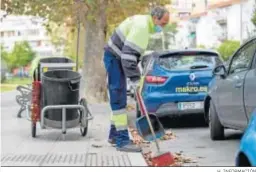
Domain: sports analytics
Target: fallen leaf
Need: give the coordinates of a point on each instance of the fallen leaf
(96, 145)
(178, 157)
(130, 107)
(168, 136)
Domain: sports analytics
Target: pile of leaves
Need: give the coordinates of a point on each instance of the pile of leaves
(181, 159)
(137, 139)
(168, 136)
(178, 157)
(130, 107)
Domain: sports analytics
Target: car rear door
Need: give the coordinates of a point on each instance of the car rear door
(231, 90)
(249, 89)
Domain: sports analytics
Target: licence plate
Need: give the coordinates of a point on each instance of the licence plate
(190, 105)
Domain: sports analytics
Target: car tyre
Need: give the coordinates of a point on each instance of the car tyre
(216, 128)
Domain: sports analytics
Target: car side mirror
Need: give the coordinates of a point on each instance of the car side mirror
(220, 71)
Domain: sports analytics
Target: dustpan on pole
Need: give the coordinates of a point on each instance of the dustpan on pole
(151, 131)
(143, 126)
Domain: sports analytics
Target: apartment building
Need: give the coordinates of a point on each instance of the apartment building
(25, 28)
(213, 21)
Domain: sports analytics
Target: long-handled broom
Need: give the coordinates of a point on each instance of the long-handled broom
(160, 159)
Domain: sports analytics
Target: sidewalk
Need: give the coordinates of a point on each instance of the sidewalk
(49, 148)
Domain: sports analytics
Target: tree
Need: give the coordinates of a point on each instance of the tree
(169, 34)
(163, 40)
(201, 46)
(4, 53)
(58, 33)
(21, 55)
(98, 17)
(227, 48)
(63, 38)
(4, 67)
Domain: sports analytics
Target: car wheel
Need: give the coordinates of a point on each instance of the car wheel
(138, 113)
(216, 129)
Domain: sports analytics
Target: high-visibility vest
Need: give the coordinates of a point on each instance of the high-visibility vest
(130, 40)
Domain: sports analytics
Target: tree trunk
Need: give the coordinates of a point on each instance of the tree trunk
(93, 84)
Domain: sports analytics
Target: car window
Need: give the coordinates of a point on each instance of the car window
(243, 58)
(189, 62)
(148, 66)
(254, 62)
(145, 59)
(218, 61)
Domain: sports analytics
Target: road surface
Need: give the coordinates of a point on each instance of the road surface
(19, 148)
(193, 140)
(49, 148)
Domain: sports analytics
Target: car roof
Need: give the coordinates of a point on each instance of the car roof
(247, 41)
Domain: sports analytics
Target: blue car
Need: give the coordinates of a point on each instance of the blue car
(176, 82)
(246, 155)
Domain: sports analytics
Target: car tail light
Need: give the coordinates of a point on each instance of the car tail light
(156, 79)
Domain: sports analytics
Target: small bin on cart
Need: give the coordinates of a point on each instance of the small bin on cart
(54, 63)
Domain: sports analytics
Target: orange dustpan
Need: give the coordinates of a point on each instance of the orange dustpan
(160, 159)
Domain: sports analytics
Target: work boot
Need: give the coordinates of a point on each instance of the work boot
(123, 142)
(130, 147)
(112, 135)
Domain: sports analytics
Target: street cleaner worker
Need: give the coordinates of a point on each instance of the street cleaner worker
(122, 52)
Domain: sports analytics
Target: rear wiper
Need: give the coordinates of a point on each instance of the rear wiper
(199, 66)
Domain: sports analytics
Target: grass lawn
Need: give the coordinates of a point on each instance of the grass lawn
(11, 84)
(19, 81)
(8, 87)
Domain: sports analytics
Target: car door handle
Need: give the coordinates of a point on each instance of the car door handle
(239, 84)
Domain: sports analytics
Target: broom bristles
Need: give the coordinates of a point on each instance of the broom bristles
(163, 160)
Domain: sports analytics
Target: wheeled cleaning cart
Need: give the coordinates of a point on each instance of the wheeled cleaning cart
(56, 102)
(40, 65)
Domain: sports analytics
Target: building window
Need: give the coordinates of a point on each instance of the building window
(39, 43)
(184, 14)
(19, 33)
(33, 32)
(47, 43)
(33, 43)
(2, 34)
(10, 33)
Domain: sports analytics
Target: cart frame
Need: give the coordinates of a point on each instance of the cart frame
(63, 107)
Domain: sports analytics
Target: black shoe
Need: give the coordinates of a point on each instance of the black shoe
(129, 148)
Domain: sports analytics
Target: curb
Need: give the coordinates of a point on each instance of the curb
(136, 159)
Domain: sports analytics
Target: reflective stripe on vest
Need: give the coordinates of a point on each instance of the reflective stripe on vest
(120, 119)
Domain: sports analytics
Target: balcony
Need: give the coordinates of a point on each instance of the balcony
(220, 15)
(221, 19)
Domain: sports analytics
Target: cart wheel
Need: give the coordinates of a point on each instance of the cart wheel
(83, 131)
(20, 111)
(33, 129)
(84, 122)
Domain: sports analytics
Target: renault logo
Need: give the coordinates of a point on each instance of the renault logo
(192, 76)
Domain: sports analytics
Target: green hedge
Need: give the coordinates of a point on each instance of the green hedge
(228, 48)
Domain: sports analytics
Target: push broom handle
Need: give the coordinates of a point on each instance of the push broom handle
(144, 109)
